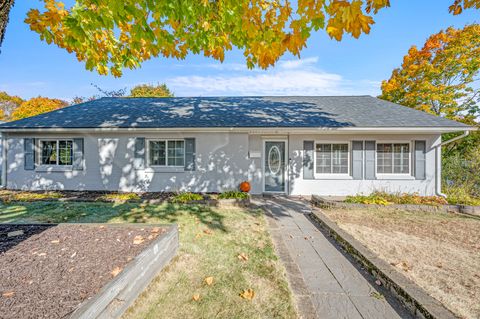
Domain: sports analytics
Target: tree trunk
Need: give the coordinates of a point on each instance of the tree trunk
(5, 6)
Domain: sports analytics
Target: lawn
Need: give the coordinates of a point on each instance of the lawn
(438, 251)
(223, 254)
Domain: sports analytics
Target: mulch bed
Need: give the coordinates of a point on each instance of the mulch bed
(47, 271)
(12, 195)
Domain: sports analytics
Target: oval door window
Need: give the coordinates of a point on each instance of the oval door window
(274, 160)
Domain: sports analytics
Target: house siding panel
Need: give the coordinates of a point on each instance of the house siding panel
(222, 161)
(350, 186)
(221, 164)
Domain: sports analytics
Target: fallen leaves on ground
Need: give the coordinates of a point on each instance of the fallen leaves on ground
(138, 240)
(8, 294)
(155, 230)
(377, 295)
(208, 231)
(196, 297)
(247, 294)
(209, 280)
(243, 257)
(116, 271)
(402, 265)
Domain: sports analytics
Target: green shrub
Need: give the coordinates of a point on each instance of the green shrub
(20, 196)
(119, 197)
(183, 198)
(461, 178)
(461, 196)
(233, 195)
(367, 199)
(382, 198)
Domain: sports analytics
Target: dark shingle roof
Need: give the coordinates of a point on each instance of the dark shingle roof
(192, 112)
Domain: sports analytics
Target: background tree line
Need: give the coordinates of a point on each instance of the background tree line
(15, 108)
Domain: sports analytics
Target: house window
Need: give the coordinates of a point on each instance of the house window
(331, 158)
(393, 158)
(56, 152)
(166, 152)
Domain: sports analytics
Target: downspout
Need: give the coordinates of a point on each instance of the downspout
(4, 160)
(438, 163)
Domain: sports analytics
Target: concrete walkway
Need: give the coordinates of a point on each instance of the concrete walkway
(325, 283)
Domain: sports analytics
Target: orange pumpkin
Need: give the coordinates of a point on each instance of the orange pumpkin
(245, 187)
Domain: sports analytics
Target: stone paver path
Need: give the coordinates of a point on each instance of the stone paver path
(324, 281)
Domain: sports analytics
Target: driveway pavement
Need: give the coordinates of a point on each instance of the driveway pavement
(325, 282)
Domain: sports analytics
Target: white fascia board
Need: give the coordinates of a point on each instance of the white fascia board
(253, 130)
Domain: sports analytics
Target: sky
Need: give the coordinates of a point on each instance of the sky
(30, 67)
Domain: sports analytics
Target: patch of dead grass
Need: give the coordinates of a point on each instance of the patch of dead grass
(440, 252)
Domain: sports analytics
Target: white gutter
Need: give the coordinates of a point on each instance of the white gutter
(438, 163)
(252, 130)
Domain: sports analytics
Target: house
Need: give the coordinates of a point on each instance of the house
(329, 145)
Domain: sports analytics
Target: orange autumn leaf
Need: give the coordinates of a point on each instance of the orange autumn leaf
(138, 240)
(8, 294)
(208, 281)
(247, 294)
(243, 257)
(196, 297)
(116, 271)
(208, 231)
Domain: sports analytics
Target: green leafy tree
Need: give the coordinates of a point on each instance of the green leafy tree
(149, 90)
(110, 35)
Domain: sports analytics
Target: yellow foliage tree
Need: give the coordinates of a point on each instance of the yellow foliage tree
(110, 35)
(440, 77)
(8, 103)
(149, 90)
(37, 105)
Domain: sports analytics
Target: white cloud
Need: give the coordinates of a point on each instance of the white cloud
(289, 77)
(299, 63)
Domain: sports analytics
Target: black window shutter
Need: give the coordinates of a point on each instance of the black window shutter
(357, 159)
(78, 151)
(370, 160)
(190, 154)
(308, 160)
(29, 154)
(420, 161)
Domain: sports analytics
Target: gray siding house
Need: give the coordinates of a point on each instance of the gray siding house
(336, 145)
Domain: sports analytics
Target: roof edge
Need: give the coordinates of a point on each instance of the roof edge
(439, 129)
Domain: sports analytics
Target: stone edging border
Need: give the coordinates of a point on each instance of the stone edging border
(118, 294)
(417, 301)
(458, 209)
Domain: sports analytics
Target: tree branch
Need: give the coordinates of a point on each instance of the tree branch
(5, 6)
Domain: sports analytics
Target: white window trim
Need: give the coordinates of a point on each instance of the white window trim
(52, 167)
(394, 175)
(331, 175)
(166, 152)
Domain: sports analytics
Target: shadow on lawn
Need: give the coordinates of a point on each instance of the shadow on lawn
(170, 213)
(94, 212)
